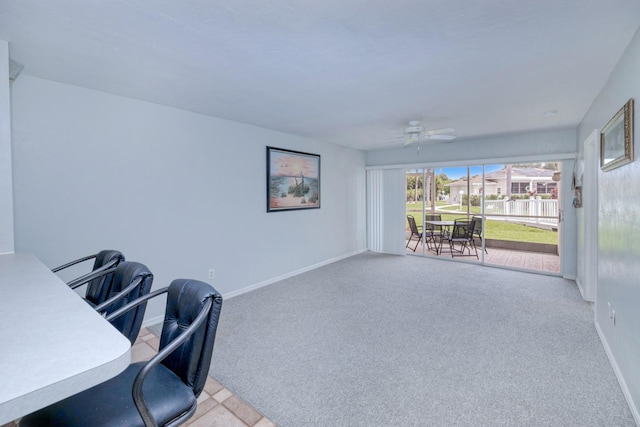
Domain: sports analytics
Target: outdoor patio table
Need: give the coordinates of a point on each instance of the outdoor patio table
(444, 224)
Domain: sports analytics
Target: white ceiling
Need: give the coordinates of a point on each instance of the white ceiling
(341, 71)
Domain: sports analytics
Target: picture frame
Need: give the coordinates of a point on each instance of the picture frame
(293, 180)
(616, 139)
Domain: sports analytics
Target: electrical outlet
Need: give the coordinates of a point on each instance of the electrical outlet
(613, 317)
(212, 273)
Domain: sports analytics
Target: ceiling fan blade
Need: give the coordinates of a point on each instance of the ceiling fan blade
(442, 137)
(439, 131)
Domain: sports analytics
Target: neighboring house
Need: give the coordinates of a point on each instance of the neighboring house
(524, 181)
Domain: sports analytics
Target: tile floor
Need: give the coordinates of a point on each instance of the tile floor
(217, 406)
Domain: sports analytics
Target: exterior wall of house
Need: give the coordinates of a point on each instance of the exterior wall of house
(520, 186)
(618, 198)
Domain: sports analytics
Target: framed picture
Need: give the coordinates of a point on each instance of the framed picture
(616, 139)
(293, 180)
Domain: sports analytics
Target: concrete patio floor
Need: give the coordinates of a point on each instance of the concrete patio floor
(548, 263)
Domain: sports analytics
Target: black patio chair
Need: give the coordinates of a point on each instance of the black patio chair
(433, 233)
(462, 234)
(479, 232)
(416, 231)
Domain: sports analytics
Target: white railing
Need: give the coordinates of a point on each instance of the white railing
(536, 208)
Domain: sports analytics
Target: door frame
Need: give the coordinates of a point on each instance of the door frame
(590, 207)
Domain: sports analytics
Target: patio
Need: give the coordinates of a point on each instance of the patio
(549, 263)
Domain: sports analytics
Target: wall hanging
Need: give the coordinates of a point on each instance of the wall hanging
(293, 180)
(616, 139)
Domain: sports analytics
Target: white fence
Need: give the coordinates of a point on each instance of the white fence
(534, 208)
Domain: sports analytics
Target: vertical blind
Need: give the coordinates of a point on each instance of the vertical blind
(386, 193)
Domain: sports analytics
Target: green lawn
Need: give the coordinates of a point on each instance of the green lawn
(500, 230)
(418, 205)
(444, 205)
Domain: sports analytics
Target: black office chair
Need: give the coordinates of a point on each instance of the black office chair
(162, 391)
(130, 281)
(416, 231)
(104, 260)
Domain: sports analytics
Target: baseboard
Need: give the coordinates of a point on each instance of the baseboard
(152, 321)
(569, 276)
(287, 275)
(616, 370)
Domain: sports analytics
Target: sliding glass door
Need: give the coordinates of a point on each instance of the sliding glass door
(440, 203)
(513, 207)
(522, 210)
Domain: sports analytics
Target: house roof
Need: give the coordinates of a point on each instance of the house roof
(348, 72)
(518, 174)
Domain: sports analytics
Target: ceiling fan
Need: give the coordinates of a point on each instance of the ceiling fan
(415, 133)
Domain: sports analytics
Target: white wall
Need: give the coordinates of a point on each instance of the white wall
(178, 191)
(6, 188)
(618, 281)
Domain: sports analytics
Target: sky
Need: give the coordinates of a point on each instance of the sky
(293, 164)
(456, 172)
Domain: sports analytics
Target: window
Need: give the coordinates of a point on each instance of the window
(545, 187)
(519, 187)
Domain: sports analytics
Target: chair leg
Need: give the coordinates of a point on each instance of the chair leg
(417, 242)
(481, 242)
(431, 240)
(472, 243)
(416, 246)
(439, 248)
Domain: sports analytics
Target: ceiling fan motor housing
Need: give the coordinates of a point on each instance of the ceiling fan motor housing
(414, 129)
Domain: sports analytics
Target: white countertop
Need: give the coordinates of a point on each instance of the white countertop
(52, 343)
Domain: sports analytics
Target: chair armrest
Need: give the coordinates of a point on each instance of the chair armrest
(98, 272)
(117, 297)
(69, 264)
(136, 302)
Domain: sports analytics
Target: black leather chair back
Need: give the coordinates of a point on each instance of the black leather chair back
(98, 290)
(190, 361)
(126, 273)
